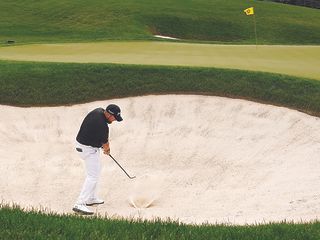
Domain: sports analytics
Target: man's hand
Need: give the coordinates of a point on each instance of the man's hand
(106, 148)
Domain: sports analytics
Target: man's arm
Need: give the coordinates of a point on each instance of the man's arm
(105, 141)
(106, 148)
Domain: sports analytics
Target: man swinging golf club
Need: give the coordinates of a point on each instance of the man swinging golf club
(93, 135)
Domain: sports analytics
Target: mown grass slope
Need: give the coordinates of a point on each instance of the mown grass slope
(206, 20)
(301, 61)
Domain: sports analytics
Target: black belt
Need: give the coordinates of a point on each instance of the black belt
(79, 149)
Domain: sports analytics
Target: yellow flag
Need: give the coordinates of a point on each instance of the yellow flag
(249, 11)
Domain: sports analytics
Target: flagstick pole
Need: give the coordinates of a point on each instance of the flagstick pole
(255, 29)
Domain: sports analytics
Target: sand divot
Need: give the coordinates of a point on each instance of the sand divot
(146, 191)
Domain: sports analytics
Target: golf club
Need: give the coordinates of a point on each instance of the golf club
(121, 167)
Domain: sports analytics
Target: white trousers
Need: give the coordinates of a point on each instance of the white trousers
(91, 157)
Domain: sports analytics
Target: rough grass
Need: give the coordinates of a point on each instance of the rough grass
(34, 84)
(202, 20)
(19, 224)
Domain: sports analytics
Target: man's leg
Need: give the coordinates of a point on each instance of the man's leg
(91, 157)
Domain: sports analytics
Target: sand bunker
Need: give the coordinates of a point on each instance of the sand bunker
(197, 159)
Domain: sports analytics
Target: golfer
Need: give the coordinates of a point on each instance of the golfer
(93, 135)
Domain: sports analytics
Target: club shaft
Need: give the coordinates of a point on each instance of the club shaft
(121, 167)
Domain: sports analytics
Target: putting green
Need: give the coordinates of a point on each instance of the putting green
(303, 61)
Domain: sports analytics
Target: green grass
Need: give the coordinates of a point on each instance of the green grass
(202, 20)
(18, 224)
(301, 61)
(34, 84)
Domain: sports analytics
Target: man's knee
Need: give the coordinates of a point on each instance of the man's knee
(93, 177)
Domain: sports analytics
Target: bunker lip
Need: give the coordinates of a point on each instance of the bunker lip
(199, 159)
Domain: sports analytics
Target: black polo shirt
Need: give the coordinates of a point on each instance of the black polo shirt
(94, 130)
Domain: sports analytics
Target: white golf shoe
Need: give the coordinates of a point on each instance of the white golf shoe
(94, 201)
(82, 209)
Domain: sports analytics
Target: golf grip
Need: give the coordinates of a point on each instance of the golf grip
(121, 167)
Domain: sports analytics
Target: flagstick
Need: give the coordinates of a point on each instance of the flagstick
(255, 29)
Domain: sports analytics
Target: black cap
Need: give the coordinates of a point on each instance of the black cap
(115, 111)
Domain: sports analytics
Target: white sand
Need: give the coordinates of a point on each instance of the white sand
(199, 159)
(166, 37)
